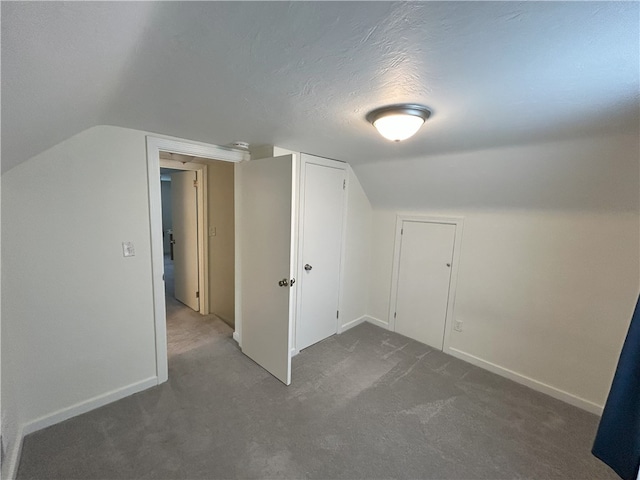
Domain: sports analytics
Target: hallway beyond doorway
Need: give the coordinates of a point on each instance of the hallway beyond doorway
(186, 329)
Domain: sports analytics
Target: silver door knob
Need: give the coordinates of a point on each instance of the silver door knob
(284, 282)
(308, 267)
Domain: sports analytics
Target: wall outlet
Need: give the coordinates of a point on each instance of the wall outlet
(457, 325)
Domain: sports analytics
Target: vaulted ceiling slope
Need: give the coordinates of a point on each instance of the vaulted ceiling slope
(304, 74)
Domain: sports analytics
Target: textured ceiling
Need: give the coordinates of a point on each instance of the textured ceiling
(303, 75)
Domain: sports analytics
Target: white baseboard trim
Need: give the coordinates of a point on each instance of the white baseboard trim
(70, 412)
(352, 323)
(527, 381)
(362, 319)
(87, 405)
(13, 457)
(377, 322)
(236, 337)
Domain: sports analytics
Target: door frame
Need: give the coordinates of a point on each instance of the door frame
(203, 225)
(305, 159)
(458, 222)
(154, 146)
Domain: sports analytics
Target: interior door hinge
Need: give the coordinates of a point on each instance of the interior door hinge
(402, 231)
(344, 184)
(394, 314)
(337, 313)
(197, 294)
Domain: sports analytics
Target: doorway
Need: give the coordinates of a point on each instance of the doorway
(184, 219)
(179, 156)
(424, 280)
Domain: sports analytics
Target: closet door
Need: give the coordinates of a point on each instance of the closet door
(266, 229)
(426, 255)
(322, 215)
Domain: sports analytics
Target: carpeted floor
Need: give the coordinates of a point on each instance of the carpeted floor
(186, 329)
(365, 404)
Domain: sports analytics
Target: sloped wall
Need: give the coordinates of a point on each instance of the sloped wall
(549, 267)
(355, 288)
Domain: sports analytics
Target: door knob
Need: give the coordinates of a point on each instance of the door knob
(284, 282)
(308, 267)
(448, 264)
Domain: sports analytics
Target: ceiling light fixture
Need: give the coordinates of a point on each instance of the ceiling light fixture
(398, 122)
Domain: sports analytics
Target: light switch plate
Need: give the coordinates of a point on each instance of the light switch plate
(128, 249)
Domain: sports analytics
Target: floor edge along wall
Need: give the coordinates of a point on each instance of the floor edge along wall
(536, 385)
(70, 412)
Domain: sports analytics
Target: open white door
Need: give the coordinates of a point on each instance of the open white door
(184, 211)
(266, 233)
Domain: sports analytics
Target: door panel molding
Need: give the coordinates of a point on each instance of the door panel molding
(458, 222)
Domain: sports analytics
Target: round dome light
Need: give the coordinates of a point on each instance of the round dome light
(398, 122)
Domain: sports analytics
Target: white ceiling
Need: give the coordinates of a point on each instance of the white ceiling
(304, 75)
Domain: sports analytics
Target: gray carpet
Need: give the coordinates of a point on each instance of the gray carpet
(365, 404)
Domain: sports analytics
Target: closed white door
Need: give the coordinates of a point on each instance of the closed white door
(266, 230)
(184, 212)
(322, 217)
(426, 253)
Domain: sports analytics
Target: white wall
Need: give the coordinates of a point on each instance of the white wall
(588, 174)
(11, 394)
(354, 294)
(9, 419)
(548, 281)
(78, 326)
(546, 295)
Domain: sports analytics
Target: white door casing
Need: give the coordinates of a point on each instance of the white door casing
(322, 216)
(265, 217)
(154, 146)
(425, 269)
(184, 209)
